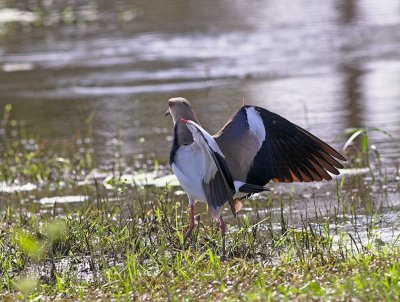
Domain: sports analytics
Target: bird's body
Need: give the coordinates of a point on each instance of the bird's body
(191, 159)
(254, 147)
(194, 166)
(204, 174)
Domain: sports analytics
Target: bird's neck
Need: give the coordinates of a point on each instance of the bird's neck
(185, 137)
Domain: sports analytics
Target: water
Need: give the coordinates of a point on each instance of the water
(325, 65)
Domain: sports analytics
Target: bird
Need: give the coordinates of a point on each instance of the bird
(204, 175)
(254, 147)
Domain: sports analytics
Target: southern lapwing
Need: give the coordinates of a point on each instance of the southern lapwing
(204, 174)
(254, 147)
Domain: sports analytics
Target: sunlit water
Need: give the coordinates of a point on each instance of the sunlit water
(325, 65)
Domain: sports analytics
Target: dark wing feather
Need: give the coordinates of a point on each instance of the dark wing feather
(215, 191)
(227, 180)
(221, 187)
(289, 153)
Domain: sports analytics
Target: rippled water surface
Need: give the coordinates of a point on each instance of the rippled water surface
(111, 66)
(326, 65)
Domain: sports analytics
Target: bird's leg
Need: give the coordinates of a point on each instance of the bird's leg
(191, 224)
(222, 227)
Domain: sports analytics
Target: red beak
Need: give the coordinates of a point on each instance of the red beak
(183, 120)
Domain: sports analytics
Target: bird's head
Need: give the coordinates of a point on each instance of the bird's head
(180, 108)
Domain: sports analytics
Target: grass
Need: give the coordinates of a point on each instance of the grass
(101, 251)
(127, 243)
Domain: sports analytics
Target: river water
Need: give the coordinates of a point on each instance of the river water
(325, 65)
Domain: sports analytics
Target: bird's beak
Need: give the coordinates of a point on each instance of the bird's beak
(168, 112)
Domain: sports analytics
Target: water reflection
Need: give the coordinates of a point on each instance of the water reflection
(347, 10)
(352, 94)
(326, 65)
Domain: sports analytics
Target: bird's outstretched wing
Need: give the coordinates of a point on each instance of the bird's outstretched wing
(260, 146)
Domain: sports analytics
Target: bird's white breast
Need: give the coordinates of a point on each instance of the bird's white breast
(193, 165)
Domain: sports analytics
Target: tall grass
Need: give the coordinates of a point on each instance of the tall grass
(127, 243)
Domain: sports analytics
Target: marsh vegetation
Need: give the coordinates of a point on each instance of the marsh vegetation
(88, 207)
(72, 230)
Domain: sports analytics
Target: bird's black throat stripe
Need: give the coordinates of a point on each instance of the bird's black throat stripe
(175, 146)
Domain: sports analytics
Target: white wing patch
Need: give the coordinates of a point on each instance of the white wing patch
(238, 184)
(195, 128)
(256, 124)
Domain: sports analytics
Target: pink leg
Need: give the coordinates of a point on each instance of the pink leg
(191, 224)
(222, 227)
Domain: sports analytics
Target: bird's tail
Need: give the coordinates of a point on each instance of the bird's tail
(243, 187)
(247, 190)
